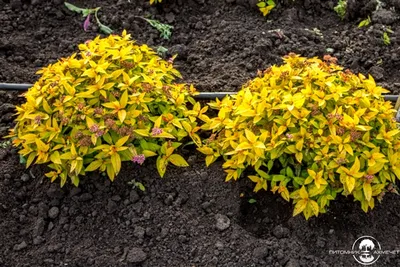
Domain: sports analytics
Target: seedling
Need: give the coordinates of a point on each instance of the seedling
(164, 29)
(135, 184)
(340, 8)
(365, 22)
(5, 144)
(161, 51)
(87, 12)
(155, 1)
(386, 37)
(266, 6)
(252, 201)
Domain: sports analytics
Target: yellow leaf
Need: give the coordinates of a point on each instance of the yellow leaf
(121, 115)
(291, 149)
(142, 132)
(356, 166)
(299, 157)
(94, 165)
(55, 157)
(314, 206)
(122, 141)
(89, 121)
(206, 150)
(209, 159)
(300, 206)
(165, 135)
(161, 166)
(116, 162)
(349, 149)
(250, 136)
(243, 146)
(350, 182)
(157, 123)
(148, 153)
(254, 178)
(30, 159)
(367, 191)
(41, 146)
(178, 160)
(303, 192)
(285, 193)
(74, 163)
(110, 172)
(47, 107)
(124, 99)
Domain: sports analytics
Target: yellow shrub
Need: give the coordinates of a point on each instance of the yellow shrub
(310, 130)
(114, 101)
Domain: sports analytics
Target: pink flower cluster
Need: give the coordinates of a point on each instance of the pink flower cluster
(96, 130)
(156, 131)
(139, 159)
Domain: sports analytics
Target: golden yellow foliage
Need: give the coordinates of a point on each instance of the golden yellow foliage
(113, 101)
(310, 130)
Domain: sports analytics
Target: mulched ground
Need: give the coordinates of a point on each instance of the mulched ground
(191, 217)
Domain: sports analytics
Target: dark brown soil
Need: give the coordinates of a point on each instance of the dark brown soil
(180, 220)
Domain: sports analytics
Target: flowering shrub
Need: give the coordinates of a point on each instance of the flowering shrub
(311, 131)
(114, 101)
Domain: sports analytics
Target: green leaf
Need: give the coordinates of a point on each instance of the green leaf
(270, 164)
(277, 178)
(83, 11)
(107, 138)
(252, 201)
(299, 180)
(75, 180)
(105, 29)
(289, 172)
(22, 159)
(263, 174)
(140, 186)
(261, 4)
(271, 3)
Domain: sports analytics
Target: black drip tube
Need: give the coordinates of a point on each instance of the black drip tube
(201, 95)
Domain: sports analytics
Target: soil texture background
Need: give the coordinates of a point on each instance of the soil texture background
(191, 217)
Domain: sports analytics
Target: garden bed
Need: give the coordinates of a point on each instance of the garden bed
(191, 217)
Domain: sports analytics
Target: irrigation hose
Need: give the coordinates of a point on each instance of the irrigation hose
(201, 95)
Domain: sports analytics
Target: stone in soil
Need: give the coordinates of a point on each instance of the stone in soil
(136, 255)
(222, 222)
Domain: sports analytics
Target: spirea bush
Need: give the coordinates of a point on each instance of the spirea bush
(311, 131)
(113, 101)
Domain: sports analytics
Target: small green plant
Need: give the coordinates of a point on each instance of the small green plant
(86, 13)
(266, 6)
(385, 36)
(311, 131)
(5, 144)
(114, 101)
(161, 51)
(155, 1)
(136, 184)
(252, 201)
(340, 8)
(164, 29)
(364, 22)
